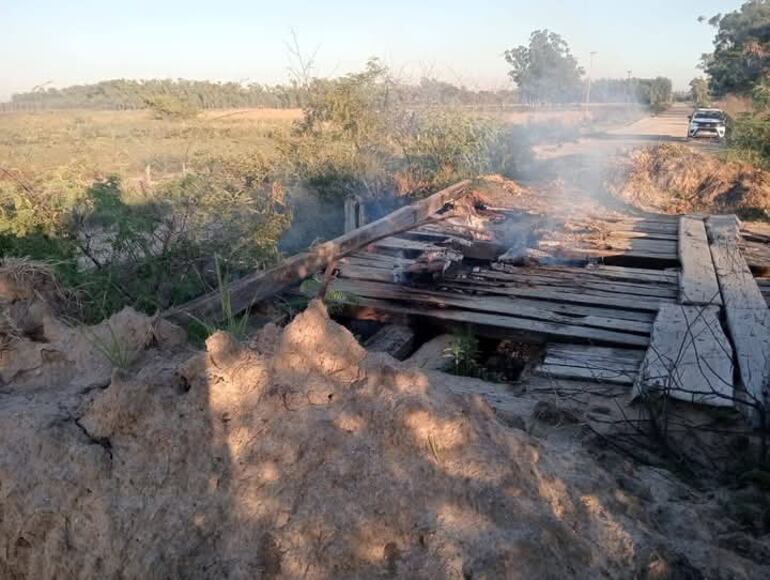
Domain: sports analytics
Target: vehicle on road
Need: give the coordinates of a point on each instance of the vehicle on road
(707, 123)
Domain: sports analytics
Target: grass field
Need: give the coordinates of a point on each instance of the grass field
(78, 147)
(83, 146)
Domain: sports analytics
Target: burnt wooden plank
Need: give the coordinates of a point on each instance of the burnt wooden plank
(575, 280)
(565, 296)
(689, 357)
(698, 282)
(639, 274)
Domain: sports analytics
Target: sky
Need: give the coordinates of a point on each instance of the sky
(65, 42)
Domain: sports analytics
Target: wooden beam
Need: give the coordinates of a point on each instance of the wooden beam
(739, 289)
(748, 319)
(489, 304)
(254, 288)
(498, 326)
(689, 357)
(698, 282)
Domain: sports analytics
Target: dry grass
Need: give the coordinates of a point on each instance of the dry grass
(676, 179)
(22, 279)
(79, 147)
(237, 115)
(26, 273)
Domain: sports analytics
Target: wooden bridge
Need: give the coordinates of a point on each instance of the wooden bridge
(658, 303)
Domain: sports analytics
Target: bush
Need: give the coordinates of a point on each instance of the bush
(153, 253)
(750, 138)
(169, 107)
(358, 138)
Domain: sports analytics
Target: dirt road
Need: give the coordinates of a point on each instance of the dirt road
(583, 165)
(668, 127)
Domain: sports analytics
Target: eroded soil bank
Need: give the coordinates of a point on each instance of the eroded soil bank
(303, 455)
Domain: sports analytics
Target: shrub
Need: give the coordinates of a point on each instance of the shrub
(169, 107)
(157, 251)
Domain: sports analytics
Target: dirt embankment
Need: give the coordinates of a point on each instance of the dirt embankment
(303, 455)
(676, 179)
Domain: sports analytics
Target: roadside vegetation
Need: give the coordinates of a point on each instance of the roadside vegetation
(740, 66)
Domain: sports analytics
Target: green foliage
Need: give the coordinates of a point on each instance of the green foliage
(760, 95)
(545, 71)
(750, 138)
(154, 252)
(229, 321)
(741, 56)
(440, 146)
(699, 92)
(463, 353)
(657, 93)
(749, 134)
(359, 137)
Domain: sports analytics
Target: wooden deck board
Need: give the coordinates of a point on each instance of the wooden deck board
(489, 304)
(698, 282)
(600, 364)
(689, 357)
(507, 326)
(748, 318)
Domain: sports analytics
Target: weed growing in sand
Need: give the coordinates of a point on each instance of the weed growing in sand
(113, 347)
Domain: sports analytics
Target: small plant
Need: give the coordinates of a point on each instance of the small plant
(229, 321)
(463, 352)
(115, 349)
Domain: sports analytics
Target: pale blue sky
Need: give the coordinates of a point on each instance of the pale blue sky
(77, 41)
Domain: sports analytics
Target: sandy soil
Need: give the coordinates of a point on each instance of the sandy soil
(301, 455)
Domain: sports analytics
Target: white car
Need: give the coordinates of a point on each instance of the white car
(707, 122)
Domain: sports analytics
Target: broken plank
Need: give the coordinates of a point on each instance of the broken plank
(689, 357)
(249, 290)
(698, 282)
(532, 276)
(594, 298)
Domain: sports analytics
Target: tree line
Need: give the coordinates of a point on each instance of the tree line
(536, 87)
(122, 94)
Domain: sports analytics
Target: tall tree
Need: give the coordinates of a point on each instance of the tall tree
(545, 71)
(699, 92)
(741, 56)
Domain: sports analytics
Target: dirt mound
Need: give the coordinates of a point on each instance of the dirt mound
(303, 455)
(676, 179)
